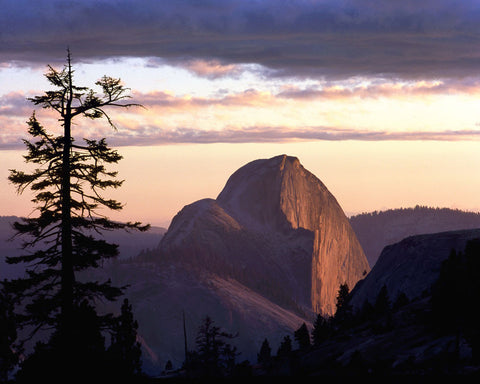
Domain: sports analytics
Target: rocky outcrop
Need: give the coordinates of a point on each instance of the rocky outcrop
(276, 228)
(410, 266)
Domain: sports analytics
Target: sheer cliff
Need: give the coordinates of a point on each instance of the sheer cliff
(276, 228)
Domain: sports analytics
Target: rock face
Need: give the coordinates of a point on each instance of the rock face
(410, 266)
(277, 229)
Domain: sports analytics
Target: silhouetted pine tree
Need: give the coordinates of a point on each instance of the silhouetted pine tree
(214, 356)
(321, 330)
(125, 351)
(382, 311)
(285, 348)
(302, 337)
(264, 357)
(85, 360)
(455, 294)
(284, 360)
(448, 291)
(8, 335)
(343, 313)
(382, 302)
(67, 184)
(342, 296)
(365, 313)
(168, 365)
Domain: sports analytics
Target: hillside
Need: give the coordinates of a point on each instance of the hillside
(410, 266)
(130, 244)
(432, 330)
(376, 230)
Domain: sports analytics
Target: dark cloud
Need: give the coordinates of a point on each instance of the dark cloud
(432, 38)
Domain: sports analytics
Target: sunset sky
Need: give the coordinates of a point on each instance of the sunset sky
(379, 99)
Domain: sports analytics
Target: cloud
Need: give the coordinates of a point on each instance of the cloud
(433, 38)
(212, 69)
(293, 113)
(381, 88)
(151, 135)
(15, 104)
(249, 97)
(156, 136)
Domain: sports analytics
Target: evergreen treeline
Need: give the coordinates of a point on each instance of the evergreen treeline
(455, 298)
(420, 211)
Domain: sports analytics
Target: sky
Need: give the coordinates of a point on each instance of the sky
(379, 99)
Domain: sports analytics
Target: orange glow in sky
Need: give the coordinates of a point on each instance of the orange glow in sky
(381, 110)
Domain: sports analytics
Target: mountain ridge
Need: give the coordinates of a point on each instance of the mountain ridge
(377, 229)
(130, 244)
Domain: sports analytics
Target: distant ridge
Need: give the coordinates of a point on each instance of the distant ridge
(376, 230)
(130, 244)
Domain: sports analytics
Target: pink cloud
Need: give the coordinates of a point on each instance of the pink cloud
(212, 69)
(157, 136)
(383, 89)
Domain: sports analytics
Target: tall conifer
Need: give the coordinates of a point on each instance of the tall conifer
(67, 182)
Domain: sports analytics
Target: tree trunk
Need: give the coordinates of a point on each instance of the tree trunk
(68, 278)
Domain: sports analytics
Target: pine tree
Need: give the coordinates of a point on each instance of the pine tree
(85, 361)
(302, 336)
(382, 311)
(125, 351)
(8, 335)
(285, 348)
(382, 302)
(264, 357)
(365, 313)
(343, 313)
(68, 184)
(321, 330)
(458, 290)
(342, 297)
(168, 366)
(214, 355)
